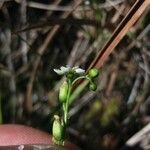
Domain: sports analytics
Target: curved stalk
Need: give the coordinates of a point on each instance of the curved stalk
(82, 77)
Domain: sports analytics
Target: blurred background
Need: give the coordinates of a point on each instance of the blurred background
(37, 36)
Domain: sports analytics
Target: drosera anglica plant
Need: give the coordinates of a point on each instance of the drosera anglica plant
(72, 75)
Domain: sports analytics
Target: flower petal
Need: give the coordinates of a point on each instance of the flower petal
(65, 69)
(58, 71)
(74, 68)
(79, 71)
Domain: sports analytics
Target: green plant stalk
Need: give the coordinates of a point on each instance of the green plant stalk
(78, 91)
(80, 88)
(67, 102)
(66, 96)
(70, 84)
(82, 77)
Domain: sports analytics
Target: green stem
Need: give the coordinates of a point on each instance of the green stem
(66, 105)
(82, 77)
(67, 102)
(89, 79)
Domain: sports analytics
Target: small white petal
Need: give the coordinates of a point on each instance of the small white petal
(76, 67)
(60, 72)
(65, 69)
(79, 71)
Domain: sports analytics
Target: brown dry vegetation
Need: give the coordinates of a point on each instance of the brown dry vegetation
(37, 36)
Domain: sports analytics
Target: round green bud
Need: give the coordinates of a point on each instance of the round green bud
(70, 75)
(93, 73)
(58, 129)
(92, 86)
(63, 92)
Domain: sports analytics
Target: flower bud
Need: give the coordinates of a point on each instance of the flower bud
(93, 73)
(70, 75)
(92, 86)
(63, 92)
(57, 129)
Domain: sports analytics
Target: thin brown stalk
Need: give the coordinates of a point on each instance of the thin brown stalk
(129, 20)
(139, 136)
(136, 11)
(69, 8)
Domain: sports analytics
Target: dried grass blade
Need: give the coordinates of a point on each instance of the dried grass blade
(130, 19)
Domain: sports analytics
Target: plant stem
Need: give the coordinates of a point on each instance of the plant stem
(70, 85)
(88, 79)
(67, 102)
(82, 77)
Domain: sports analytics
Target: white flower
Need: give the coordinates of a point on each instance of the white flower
(64, 70)
(58, 71)
(79, 71)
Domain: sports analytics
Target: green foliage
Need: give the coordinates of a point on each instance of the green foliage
(72, 76)
(111, 110)
(93, 110)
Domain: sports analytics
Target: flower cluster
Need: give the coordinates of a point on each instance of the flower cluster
(65, 70)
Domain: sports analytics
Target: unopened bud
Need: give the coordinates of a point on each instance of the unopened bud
(93, 73)
(63, 92)
(92, 86)
(58, 129)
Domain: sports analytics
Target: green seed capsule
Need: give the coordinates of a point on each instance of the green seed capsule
(93, 73)
(63, 92)
(92, 86)
(58, 129)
